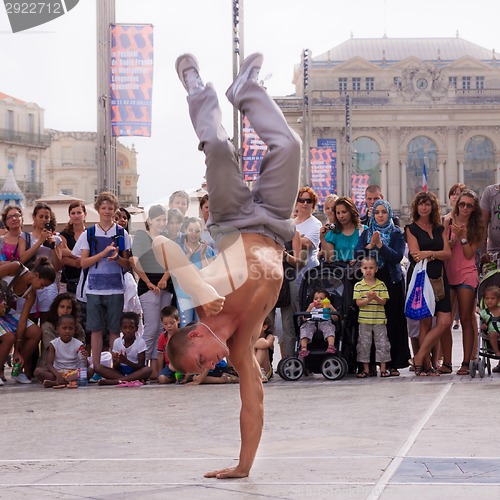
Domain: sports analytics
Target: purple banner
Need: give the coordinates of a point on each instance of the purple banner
(323, 171)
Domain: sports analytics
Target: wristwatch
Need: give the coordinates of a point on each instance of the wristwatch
(464, 241)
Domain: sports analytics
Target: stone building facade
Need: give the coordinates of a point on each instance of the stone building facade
(49, 162)
(70, 167)
(413, 102)
(23, 141)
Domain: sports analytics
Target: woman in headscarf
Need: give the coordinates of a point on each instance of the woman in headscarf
(385, 241)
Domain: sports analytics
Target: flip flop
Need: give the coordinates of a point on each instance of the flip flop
(60, 386)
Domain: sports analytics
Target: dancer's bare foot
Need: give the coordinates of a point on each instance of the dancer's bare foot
(229, 472)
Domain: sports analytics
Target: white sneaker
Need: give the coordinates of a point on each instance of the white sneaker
(189, 74)
(249, 71)
(22, 379)
(1, 382)
(263, 376)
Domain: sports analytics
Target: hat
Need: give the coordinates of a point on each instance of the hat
(156, 211)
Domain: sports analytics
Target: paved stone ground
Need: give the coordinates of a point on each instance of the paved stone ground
(394, 438)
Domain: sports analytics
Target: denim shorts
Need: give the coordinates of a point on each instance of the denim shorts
(167, 372)
(104, 310)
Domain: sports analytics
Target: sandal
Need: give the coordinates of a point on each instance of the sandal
(363, 375)
(304, 352)
(431, 372)
(394, 372)
(496, 369)
(464, 369)
(445, 369)
(72, 384)
(385, 374)
(331, 349)
(419, 371)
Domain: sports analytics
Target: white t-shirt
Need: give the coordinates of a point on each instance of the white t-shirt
(66, 357)
(309, 229)
(133, 351)
(105, 277)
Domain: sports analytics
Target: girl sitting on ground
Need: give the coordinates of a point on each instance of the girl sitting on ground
(64, 304)
(63, 357)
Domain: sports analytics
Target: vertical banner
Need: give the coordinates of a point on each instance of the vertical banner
(323, 171)
(359, 183)
(253, 150)
(131, 79)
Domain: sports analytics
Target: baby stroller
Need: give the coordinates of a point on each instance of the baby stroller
(485, 352)
(336, 279)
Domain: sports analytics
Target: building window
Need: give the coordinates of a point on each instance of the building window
(31, 123)
(465, 82)
(479, 163)
(421, 151)
(480, 82)
(10, 119)
(452, 82)
(342, 84)
(67, 192)
(356, 84)
(366, 159)
(370, 83)
(32, 174)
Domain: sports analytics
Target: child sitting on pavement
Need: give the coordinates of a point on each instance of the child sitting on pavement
(308, 328)
(264, 349)
(371, 295)
(491, 319)
(63, 357)
(64, 303)
(129, 356)
(170, 318)
(217, 375)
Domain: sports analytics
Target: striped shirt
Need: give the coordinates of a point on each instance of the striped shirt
(372, 313)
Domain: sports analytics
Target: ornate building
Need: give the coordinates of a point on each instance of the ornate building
(70, 167)
(413, 102)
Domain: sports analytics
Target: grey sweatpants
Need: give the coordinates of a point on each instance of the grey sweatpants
(265, 209)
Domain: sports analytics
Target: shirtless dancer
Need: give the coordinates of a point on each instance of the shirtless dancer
(238, 289)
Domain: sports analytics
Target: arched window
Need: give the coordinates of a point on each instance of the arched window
(479, 164)
(421, 151)
(366, 159)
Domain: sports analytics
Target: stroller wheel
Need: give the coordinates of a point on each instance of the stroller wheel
(332, 368)
(472, 368)
(345, 365)
(481, 367)
(290, 368)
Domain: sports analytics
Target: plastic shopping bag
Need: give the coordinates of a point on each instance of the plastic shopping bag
(420, 300)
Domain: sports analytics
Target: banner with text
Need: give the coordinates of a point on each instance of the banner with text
(359, 183)
(323, 171)
(131, 79)
(253, 149)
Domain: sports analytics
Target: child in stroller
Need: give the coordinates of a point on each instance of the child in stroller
(490, 316)
(327, 328)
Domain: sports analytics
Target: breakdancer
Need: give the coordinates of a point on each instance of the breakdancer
(237, 290)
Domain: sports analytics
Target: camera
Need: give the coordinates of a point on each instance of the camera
(49, 244)
(330, 227)
(48, 227)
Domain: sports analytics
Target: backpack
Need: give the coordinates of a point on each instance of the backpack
(92, 241)
(6, 292)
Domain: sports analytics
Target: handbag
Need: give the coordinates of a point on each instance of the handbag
(420, 300)
(438, 287)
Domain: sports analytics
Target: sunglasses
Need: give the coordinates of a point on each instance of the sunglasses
(463, 204)
(305, 200)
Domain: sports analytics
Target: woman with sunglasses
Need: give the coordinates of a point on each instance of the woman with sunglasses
(308, 227)
(465, 231)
